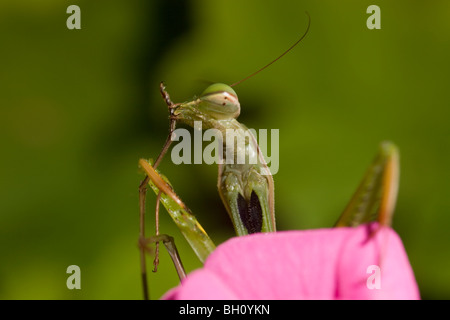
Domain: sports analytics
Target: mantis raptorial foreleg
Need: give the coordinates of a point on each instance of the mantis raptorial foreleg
(182, 216)
(169, 243)
(180, 213)
(184, 219)
(143, 193)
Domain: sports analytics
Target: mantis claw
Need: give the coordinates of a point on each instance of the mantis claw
(169, 243)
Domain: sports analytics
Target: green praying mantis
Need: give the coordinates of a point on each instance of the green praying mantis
(246, 189)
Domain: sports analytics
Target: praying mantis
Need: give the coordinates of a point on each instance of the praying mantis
(246, 189)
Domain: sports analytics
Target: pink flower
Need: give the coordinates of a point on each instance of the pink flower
(341, 263)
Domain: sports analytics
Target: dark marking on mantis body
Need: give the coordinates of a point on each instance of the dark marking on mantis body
(250, 213)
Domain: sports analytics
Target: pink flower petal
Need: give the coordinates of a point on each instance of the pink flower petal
(341, 263)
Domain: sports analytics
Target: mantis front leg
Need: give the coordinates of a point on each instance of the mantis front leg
(183, 218)
(142, 197)
(179, 212)
(169, 243)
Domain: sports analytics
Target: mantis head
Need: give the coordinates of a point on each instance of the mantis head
(220, 102)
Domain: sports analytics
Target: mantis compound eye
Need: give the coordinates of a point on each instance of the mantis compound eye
(220, 101)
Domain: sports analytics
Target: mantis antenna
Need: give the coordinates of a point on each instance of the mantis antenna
(279, 57)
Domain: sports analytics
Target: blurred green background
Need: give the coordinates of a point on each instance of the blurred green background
(78, 108)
